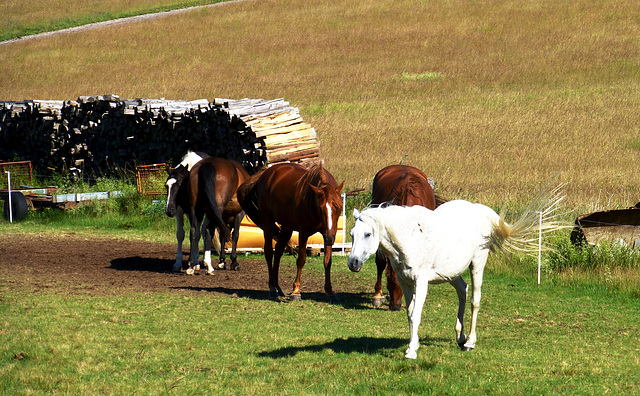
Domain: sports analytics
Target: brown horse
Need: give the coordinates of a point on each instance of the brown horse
(211, 190)
(177, 198)
(297, 199)
(398, 185)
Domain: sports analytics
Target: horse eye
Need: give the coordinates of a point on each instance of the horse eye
(367, 235)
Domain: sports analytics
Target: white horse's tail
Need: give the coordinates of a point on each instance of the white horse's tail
(522, 236)
(215, 240)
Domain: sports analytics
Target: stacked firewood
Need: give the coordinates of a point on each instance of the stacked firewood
(100, 135)
(286, 136)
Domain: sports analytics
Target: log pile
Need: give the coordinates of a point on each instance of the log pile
(99, 135)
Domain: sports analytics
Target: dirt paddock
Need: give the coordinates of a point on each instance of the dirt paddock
(76, 264)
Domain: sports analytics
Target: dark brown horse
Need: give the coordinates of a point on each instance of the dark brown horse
(210, 189)
(398, 185)
(297, 199)
(177, 198)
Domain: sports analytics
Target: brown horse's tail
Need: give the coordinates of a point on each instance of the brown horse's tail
(207, 178)
(248, 198)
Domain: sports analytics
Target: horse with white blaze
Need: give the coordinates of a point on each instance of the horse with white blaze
(176, 203)
(437, 246)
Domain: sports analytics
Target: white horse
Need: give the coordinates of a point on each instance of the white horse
(174, 208)
(436, 246)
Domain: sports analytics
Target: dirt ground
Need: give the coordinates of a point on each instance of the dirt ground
(76, 264)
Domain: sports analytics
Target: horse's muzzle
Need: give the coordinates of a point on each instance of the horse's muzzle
(171, 211)
(354, 264)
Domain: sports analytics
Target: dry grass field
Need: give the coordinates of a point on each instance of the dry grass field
(490, 98)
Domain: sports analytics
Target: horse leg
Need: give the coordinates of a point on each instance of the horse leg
(268, 256)
(302, 258)
(476, 269)
(328, 252)
(395, 292)
(414, 295)
(281, 244)
(381, 264)
(235, 266)
(177, 266)
(207, 249)
(206, 252)
(194, 237)
(461, 289)
(223, 254)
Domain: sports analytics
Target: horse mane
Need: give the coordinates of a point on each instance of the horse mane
(314, 176)
(402, 190)
(379, 219)
(371, 215)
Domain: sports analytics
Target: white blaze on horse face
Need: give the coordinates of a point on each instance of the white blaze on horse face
(170, 184)
(329, 219)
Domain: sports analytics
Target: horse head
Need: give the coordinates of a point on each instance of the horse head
(174, 181)
(365, 241)
(330, 206)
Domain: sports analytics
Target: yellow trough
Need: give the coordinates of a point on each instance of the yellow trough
(252, 239)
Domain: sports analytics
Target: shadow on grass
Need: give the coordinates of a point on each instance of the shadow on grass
(368, 345)
(345, 300)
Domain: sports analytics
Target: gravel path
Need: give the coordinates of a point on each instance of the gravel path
(95, 25)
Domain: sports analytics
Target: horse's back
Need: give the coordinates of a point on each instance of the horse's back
(269, 191)
(402, 185)
(226, 174)
(467, 217)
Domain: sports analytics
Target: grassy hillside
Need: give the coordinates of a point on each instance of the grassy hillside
(491, 99)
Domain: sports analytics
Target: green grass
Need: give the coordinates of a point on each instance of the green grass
(548, 340)
(574, 334)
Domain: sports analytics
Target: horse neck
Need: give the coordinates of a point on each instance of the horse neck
(383, 227)
(392, 222)
(303, 191)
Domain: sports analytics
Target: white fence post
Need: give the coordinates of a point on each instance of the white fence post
(344, 221)
(10, 206)
(539, 247)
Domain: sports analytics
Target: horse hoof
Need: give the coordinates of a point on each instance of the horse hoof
(235, 266)
(395, 307)
(466, 349)
(190, 271)
(295, 297)
(377, 302)
(211, 272)
(222, 265)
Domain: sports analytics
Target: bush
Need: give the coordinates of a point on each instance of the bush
(588, 257)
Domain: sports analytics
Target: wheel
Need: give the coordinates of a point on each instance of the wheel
(19, 206)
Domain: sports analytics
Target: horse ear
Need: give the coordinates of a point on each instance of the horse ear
(167, 168)
(317, 190)
(340, 188)
(356, 214)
